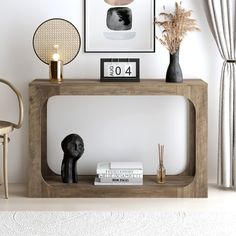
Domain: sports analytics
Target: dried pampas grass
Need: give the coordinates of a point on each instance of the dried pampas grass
(175, 27)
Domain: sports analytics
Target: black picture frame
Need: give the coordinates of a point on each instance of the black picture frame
(119, 62)
(93, 29)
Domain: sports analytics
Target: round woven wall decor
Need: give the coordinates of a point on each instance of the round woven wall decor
(56, 33)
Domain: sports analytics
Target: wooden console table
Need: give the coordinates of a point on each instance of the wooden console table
(43, 182)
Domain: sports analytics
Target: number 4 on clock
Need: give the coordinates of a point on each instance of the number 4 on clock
(128, 70)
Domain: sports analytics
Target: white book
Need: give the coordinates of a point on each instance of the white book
(104, 168)
(121, 180)
(120, 175)
(113, 172)
(126, 165)
(98, 182)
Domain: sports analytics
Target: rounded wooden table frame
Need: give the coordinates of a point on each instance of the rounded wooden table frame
(193, 182)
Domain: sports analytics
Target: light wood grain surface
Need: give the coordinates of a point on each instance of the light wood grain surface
(43, 182)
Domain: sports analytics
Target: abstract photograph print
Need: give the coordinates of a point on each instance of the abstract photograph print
(119, 26)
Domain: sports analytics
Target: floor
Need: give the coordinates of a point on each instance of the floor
(218, 200)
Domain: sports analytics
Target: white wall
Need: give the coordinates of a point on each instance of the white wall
(120, 128)
(19, 19)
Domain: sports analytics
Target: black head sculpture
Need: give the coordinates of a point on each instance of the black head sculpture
(73, 148)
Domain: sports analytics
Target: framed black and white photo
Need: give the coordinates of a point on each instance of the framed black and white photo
(120, 70)
(119, 26)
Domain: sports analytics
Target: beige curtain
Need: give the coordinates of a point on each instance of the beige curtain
(221, 16)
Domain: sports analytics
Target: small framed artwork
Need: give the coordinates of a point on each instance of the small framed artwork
(119, 26)
(120, 70)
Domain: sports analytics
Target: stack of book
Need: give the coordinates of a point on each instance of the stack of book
(119, 173)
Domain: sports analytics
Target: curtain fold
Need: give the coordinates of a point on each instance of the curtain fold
(221, 15)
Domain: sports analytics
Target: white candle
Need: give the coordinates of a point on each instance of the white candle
(56, 56)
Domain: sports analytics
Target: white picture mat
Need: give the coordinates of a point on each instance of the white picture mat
(96, 13)
(120, 128)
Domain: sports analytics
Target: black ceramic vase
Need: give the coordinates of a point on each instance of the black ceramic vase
(174, 73)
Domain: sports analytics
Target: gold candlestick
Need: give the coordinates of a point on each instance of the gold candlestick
(56, 66)
(56, 71)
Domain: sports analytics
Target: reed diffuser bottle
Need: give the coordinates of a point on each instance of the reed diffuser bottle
(161, 172)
